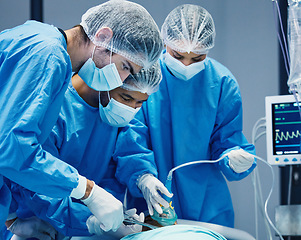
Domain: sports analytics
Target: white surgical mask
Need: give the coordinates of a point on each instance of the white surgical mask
(181, 71)
(115, 113)
(100, 79)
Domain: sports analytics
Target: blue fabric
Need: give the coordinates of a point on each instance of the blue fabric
(187, 121)
(81, 139)
(177, 232)
(5, 200)
(35, 69)
(4, 233)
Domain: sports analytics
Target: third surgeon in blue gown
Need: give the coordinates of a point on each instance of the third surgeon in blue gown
(84, 137)
(195, 115)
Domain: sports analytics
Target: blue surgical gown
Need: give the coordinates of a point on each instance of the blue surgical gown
(35, 70)
(187, 121)
(82, 140)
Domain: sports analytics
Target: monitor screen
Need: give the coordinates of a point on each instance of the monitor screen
(283, 127)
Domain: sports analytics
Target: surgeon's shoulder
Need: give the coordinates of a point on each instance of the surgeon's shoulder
(220, 71)
(218, 67)
(48, 39)
(56, 53)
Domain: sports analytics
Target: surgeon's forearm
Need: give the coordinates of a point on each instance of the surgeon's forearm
(9, 222)
(83, 189)
(89, 187)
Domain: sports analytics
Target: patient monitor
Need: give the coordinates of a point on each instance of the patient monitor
(283, 130)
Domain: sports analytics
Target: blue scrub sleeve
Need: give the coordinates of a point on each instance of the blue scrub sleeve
(5, 200)
(228, 129)
(28, 113)
(66, 215)
(228, 171)
(133, 154)
(54, 141)
(4, 233)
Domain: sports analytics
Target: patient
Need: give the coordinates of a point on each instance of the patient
(177, 232)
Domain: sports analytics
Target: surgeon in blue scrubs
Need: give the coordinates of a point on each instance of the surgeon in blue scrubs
(84, 136)
(113, 40)
(195, 115)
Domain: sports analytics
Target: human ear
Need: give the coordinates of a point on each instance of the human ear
(104, 35)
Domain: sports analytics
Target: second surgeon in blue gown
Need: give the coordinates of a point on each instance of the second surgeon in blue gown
(195, 115)
(86, 141)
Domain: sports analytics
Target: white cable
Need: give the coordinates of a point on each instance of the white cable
(260, 200)
(259, 205)
(255, 201)
(260, 135)
(256, 177)
(255, 128)
(268, 198)
(169, 178)
(290, 185)
(257, 180)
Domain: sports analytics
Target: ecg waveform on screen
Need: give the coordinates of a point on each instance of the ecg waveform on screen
(280, 136)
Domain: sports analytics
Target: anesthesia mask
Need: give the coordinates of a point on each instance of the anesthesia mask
(168, 217)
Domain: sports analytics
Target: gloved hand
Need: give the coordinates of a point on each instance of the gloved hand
(149, 186)
(105, 207)
(240, 160)
(94, 226)
(32, 227)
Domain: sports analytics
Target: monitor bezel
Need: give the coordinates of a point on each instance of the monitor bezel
(271, 158)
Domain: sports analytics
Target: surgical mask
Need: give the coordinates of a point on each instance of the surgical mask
(181, 71)
(115, 113)
(100, 79)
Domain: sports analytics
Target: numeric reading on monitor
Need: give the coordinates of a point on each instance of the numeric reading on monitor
(283, 126)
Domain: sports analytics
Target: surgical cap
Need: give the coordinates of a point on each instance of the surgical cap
(136, 36)
(189, 28)
(145, 81)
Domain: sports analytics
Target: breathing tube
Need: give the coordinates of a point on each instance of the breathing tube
(169, 216)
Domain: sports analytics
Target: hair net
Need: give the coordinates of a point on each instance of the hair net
(189, 28)
(145, 81)
(136, 36)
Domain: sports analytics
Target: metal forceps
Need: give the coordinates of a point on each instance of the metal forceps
(130, 219)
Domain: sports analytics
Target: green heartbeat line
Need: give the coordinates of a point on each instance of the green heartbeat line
(287, 135)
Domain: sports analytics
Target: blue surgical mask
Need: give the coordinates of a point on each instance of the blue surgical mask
(116, 114)
(100, 79)
(179, 70)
